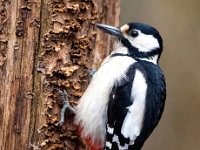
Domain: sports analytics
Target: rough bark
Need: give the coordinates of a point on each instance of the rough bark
(44, 46)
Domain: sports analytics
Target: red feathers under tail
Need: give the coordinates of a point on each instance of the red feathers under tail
(90, 144)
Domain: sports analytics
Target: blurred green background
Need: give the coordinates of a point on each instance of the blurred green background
(179, 24)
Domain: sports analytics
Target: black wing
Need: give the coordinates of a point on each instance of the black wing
(155, 100)
(120, 98)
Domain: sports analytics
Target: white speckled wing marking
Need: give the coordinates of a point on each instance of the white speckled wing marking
(120, 147)
(110, 130)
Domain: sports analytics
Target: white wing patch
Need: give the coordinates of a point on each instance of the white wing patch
(91, 112)
(132, 124)
(145, 43)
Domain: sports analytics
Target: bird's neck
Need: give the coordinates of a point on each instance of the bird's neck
(131, 51)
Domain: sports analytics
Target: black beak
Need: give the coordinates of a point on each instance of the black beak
(111, 30)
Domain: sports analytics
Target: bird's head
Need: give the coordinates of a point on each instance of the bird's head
(142, 41)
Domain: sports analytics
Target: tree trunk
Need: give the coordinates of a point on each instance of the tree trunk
(47, 45)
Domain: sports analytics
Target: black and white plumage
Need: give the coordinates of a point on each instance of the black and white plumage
(125, 99)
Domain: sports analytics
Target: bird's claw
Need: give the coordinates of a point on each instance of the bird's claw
(91, 72)
(66, 106)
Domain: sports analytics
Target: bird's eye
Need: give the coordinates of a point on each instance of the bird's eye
(133, 33)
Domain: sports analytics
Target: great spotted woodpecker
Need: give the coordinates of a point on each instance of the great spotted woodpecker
(125, 98)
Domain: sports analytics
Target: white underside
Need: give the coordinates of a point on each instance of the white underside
(92, 109)
(91, 112)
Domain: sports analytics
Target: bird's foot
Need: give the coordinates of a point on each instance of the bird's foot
(66, 106)
(91, 72)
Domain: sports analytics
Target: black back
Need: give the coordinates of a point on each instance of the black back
(155, 99)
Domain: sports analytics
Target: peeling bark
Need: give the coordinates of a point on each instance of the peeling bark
(44, 46)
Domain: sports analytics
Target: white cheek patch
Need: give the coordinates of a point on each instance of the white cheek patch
(144, 42)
